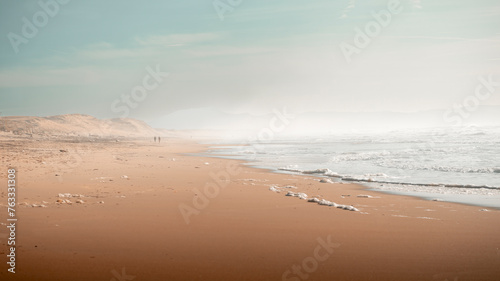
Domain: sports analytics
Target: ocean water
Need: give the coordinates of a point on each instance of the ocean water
(458, 165)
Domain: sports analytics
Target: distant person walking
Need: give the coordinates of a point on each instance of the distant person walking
(159, 139)
(155, 139)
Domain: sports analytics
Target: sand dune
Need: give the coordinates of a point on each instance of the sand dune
(76, 125)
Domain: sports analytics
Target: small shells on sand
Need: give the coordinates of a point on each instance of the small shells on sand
(69, 195)
(37, 206)
(313, 200)
(323, 202)
(274, 189)
(301, 195)
(325, 181)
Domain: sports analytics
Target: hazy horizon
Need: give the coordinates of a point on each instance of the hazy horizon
(209, 66)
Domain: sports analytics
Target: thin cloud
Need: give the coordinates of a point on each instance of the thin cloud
(444, 38)
(345, 13)
(214, 51)
(46, 76)
(416, 4)
(175, 40)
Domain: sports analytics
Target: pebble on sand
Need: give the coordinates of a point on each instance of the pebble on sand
(364, 196)
(63, 201)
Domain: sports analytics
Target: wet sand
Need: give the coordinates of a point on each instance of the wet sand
(152, 212)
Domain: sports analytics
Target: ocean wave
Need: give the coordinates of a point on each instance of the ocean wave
(436, 168)
(375, 178)
(400, 154)
(360, 156)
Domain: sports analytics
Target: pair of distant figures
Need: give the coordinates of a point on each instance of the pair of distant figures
(159, 139)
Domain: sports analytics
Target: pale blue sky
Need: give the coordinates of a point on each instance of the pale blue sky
(263, 55)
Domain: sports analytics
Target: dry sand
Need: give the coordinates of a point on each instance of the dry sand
(246, 232)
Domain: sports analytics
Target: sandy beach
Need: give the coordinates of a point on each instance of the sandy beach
(250, 140)
(139, 210)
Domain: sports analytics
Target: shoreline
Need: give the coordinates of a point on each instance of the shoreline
(458, 198)
(244, 232)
